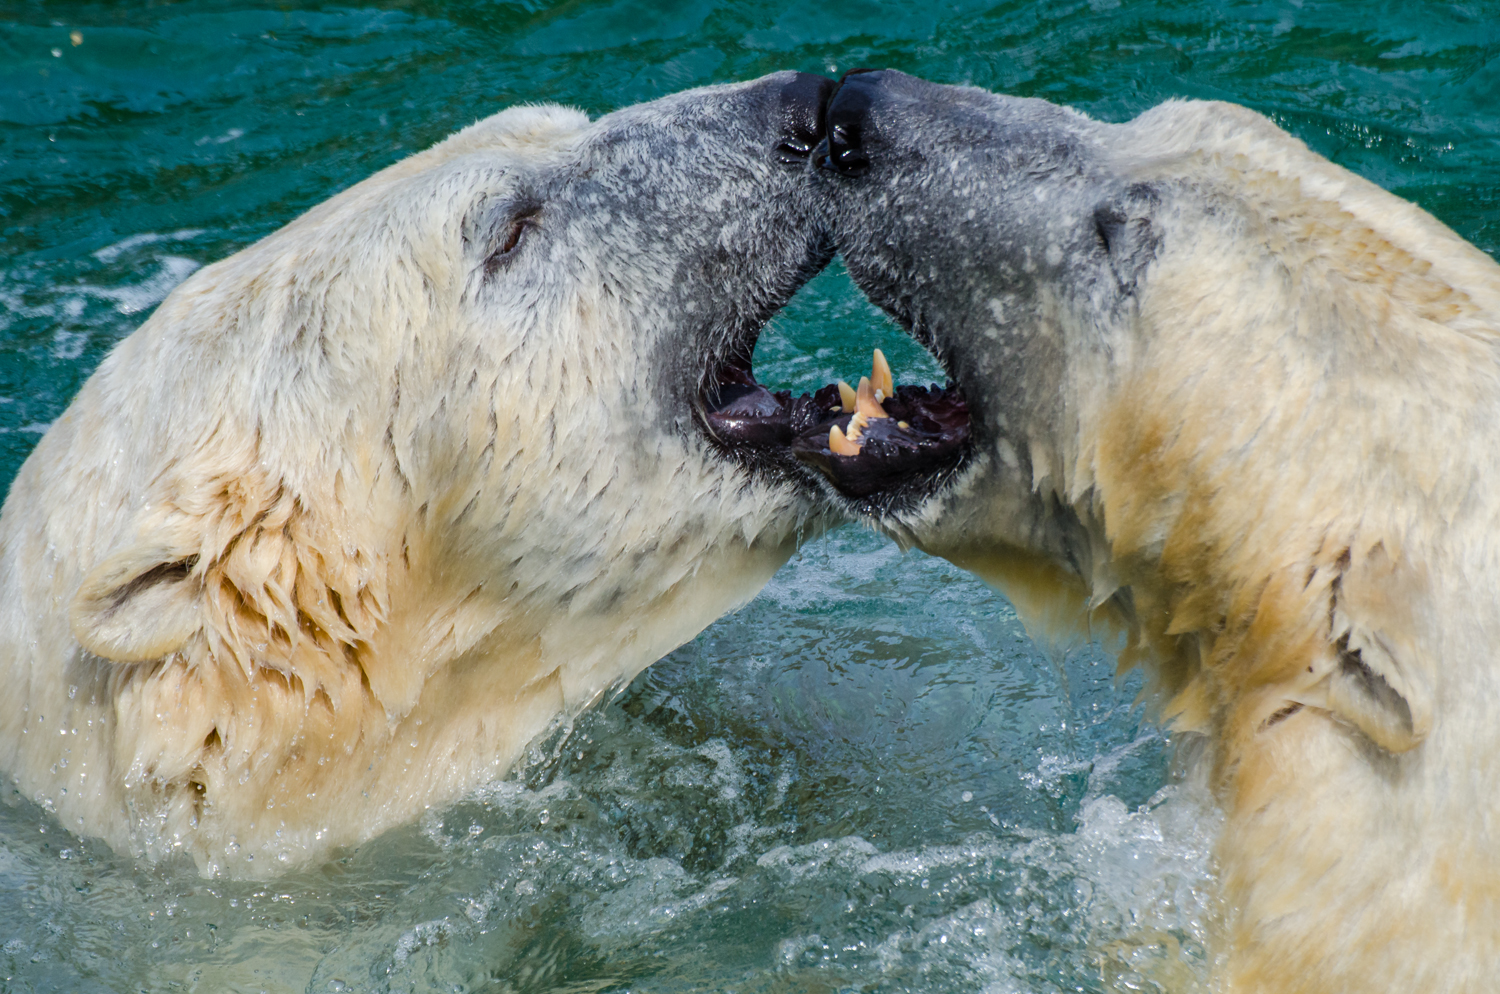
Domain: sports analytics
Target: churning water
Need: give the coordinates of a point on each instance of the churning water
(869, 779)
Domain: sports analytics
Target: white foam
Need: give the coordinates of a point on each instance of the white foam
(112, 252)
(134, 298)
(231, 135)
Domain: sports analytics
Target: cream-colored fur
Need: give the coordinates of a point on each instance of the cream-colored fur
(1280, 459)
(357, 512)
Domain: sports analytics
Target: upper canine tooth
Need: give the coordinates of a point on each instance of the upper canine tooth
(880, 375)
(865, 401)
(839, 445)
(846, 397)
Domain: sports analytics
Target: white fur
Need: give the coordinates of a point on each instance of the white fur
(347, 523)
(1280, 450)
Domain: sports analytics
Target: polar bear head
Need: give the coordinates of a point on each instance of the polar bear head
(1224, 396)
(364, 506)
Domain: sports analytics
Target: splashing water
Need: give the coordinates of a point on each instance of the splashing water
(843, 785)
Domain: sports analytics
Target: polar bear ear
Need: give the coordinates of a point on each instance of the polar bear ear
(1378, 682)
(138, 605)
(1374, 691)
(1127, 233)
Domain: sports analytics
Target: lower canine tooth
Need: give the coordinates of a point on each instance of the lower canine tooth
(839, 445)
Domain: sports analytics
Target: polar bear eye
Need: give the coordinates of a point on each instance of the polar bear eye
(513, 238)
(510, 239)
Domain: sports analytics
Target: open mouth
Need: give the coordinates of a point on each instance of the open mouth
(877, 444)
(880, 446)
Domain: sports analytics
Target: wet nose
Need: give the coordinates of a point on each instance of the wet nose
(802, 102)
(845, 122)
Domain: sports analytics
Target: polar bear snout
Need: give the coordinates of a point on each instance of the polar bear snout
(846, 118)
(803, 101)
(862, 108)
(880, 117)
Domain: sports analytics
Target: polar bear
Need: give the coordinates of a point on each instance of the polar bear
(364, 507)
(1240, 404)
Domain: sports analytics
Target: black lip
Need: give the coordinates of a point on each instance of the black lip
(742, 414)
(925, 436)
(903, 457)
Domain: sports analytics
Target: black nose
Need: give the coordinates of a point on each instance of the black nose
(802, 103)
(845, 121)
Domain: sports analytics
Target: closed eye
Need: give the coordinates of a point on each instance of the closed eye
(512, 239)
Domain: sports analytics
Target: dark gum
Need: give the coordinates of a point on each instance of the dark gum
(741, 414)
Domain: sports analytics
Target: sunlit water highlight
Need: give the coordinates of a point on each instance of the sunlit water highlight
(869, 779)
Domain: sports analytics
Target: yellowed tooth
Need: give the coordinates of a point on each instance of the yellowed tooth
(903, 425)
(839, 445)
(880, 376)
(856, 429)
(846, 397)
(865, 401)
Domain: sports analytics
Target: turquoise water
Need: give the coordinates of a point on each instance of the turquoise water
(869, 779)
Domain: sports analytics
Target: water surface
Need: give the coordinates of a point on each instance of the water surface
(869, 779)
